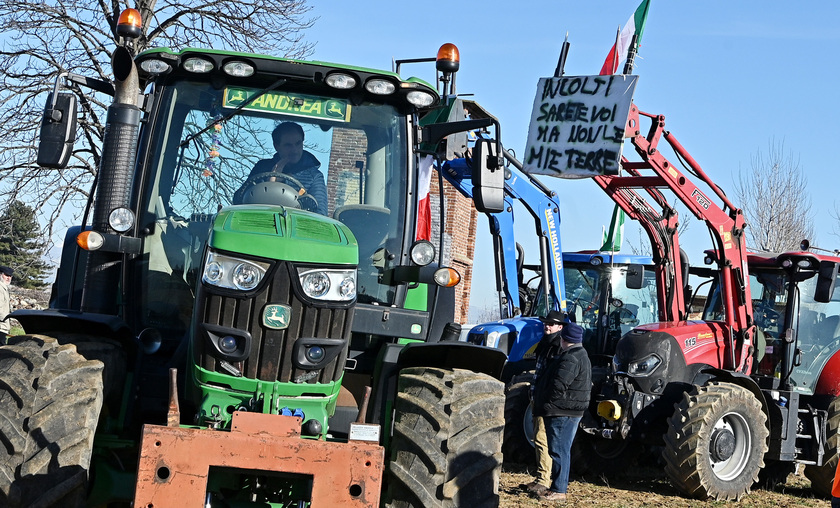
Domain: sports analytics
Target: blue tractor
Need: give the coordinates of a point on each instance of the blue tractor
(608, 294)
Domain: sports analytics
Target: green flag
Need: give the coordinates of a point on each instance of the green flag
(612, 238)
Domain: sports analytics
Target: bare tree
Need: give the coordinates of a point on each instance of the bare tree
(775, 200)
(42, 39)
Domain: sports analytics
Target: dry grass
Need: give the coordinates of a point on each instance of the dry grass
(649, 488)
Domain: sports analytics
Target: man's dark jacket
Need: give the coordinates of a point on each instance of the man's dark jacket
(565, 384)
(305, 171)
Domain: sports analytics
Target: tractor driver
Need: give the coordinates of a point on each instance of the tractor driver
(292, 160)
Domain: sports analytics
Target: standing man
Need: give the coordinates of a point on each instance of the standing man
(547, 350)
(5, 299)
(292, 160)
(561, 395)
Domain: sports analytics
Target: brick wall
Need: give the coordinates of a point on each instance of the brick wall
(347, 159)
(459, 240)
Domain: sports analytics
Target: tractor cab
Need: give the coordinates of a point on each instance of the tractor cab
(798, 314)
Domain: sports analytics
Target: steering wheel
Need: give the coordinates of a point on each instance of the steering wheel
(284, 190)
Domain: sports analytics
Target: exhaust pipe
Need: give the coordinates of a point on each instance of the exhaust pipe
(116, 168)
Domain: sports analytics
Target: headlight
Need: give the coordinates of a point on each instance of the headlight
(420, 99)
(198, 65)
(246, 276)
(422, 252)
(330, 285)
(121, 219)
(238, 69)
(232, 273)
(341, 80)
(643, 367)
(155, 66)
(493, 339)
(315, 284)
(380, 86)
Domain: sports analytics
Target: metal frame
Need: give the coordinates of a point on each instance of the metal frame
(175, 462)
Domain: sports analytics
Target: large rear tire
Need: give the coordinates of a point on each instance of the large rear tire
(518, 444)
(446, 449)
(716, 441)
(822, 477)
(50, 398)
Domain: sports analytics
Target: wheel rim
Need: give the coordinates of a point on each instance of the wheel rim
(729, 446)
(528, 423)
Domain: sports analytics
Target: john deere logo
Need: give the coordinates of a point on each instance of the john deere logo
(276, 316)
(335, 109)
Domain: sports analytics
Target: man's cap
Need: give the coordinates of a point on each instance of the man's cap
(5, 270)
(554, 317)
(572, 332)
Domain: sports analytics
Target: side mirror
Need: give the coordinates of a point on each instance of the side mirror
(58, 130)
(488, 178)
(635, 277)
(825, 281)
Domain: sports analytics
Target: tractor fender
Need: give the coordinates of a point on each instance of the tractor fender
(706, 375)
(454, 355)
(829, 380)
(36, 321)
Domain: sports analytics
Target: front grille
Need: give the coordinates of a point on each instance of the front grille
(270, 357)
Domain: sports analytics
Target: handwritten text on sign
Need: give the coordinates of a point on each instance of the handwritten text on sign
(577, 125)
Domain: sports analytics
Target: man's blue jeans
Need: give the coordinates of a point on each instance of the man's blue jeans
(560, 431)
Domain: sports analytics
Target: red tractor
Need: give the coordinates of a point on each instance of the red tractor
(748, 391)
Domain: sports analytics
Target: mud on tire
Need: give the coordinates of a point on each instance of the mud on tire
(822, 477)
(50, 398)
(716, 442)
(446, 449)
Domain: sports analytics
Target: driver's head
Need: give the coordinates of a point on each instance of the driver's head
(288, 141)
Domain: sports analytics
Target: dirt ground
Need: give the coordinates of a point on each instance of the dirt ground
(649, 488)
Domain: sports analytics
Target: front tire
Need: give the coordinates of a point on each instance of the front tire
(518, 444)
(822, 477)
(50, 398)
(446, 449)
(716, 441)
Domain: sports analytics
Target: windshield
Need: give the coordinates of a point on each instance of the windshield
(629, 307)
(326, 155)
(817, 325)
(583, 294)
(591, 288)
(818, 335)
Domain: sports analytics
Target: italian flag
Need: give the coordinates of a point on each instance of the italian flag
(612, 239)
(635, 26)
(424, 207)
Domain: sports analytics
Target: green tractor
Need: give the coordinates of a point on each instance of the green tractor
(233, 327)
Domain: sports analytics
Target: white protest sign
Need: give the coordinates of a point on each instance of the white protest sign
(577, 125)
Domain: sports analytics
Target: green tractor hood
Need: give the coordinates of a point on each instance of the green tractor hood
(288, 234)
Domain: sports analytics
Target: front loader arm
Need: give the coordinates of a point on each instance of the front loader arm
(726, 225)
